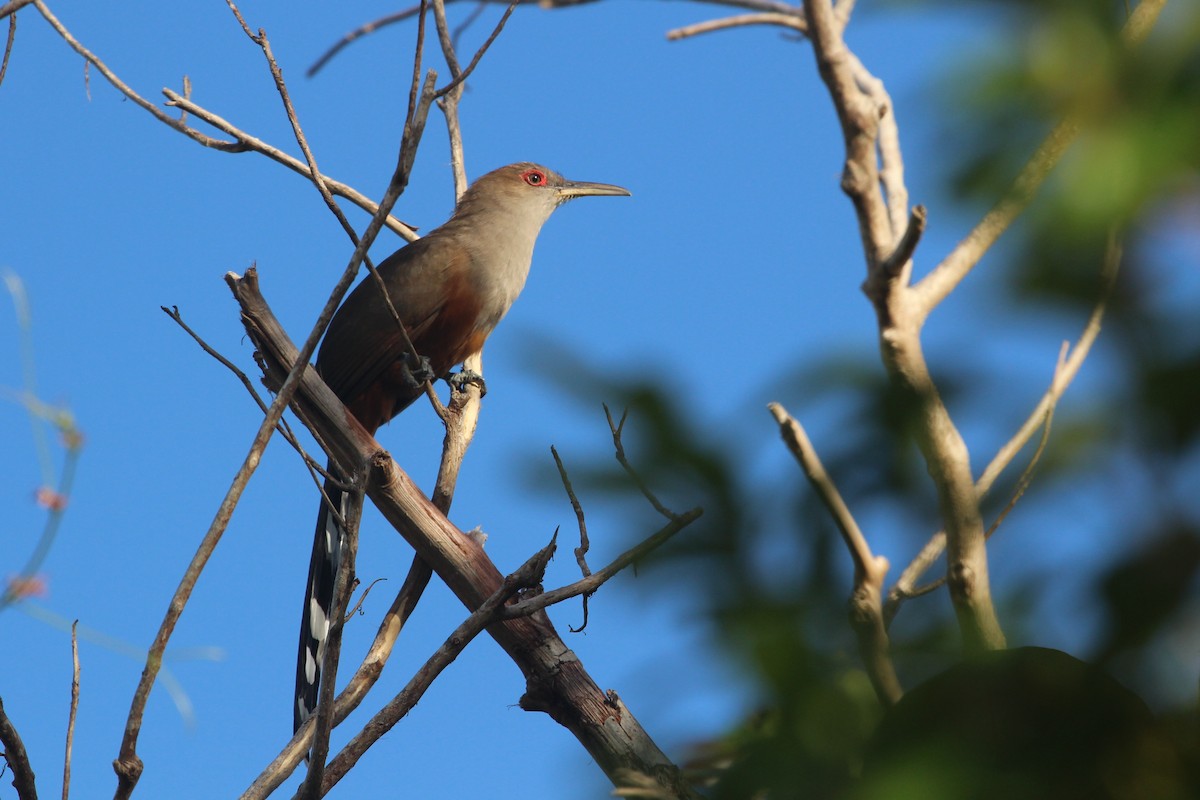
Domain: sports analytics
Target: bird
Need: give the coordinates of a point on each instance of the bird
(450, 289)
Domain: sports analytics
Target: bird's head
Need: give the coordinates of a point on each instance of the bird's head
(527, 192)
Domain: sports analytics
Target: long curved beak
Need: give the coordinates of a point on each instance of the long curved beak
(570, 189)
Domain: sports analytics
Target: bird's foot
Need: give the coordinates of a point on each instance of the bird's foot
(459, 380)
(417, 370)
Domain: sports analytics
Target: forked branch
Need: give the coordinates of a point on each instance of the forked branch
(556, 681)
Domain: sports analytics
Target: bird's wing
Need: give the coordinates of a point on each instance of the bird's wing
(429, 285)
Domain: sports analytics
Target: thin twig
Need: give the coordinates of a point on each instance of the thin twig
(56, 504)
(378, 24)
(66, 787)
(243, 142)
(905, 585)
(357, 607)
(247, 142)
(123, 88)
(584, 544)
(8, 45)
(794, 21)
(448, 102)
(466, 73)
(356, 688)
(1023, 483)
(462, 27)
(1027, 474)
(866, 600)
(619, 452)
(942, 279)
(284, 429)
(360, 31)
(594, 581)
(866, 565)
(891, 161)
(528, 574)
(314, 173)
(128, 765)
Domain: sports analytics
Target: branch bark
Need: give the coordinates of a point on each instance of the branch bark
(866, 601)
(556, 681)
(857, 98)
(16, 758)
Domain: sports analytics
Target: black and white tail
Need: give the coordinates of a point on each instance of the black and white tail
(318, 604)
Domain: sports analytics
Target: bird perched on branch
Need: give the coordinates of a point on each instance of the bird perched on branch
(449, 288)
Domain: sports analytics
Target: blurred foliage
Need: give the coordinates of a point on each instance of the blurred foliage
(773, 572)
(1028, 722)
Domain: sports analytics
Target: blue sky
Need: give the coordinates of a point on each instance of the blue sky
(736, 258)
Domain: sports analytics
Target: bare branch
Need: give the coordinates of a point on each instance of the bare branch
(318, 180)
(935, 286)
(66, 787)
(795, 21)
(866, 605)
(91, 58)
(584, 545)
(595, 580)
(527, 575)
(859, 115)
(17, 759)
(127, 765)
(8, 44)
(556, 684)
(941, 444)
(466, 73)
(1064, 374)
(619, 451)
(891, 162)
(243, 141)
(866, 565)
(12, 7)
(247, 142)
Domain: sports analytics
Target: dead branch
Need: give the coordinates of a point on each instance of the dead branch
(866, 601)
(242, 141)
(527, 575)
(8, 44)
(584, 545)
(74, 708)
(17, 759)
(595, 580)
(941, 444)
(556, 681)
(1064, 374)
(12, 7)
(617, 429)
(794, 20)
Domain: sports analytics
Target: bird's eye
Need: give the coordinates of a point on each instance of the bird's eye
(535, 177)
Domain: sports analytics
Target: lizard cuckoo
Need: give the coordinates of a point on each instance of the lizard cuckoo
(450, 289)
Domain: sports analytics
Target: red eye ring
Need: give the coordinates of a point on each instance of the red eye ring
(534, 177)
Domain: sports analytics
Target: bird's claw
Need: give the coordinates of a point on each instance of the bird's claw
(459, 380)
(418, 370)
